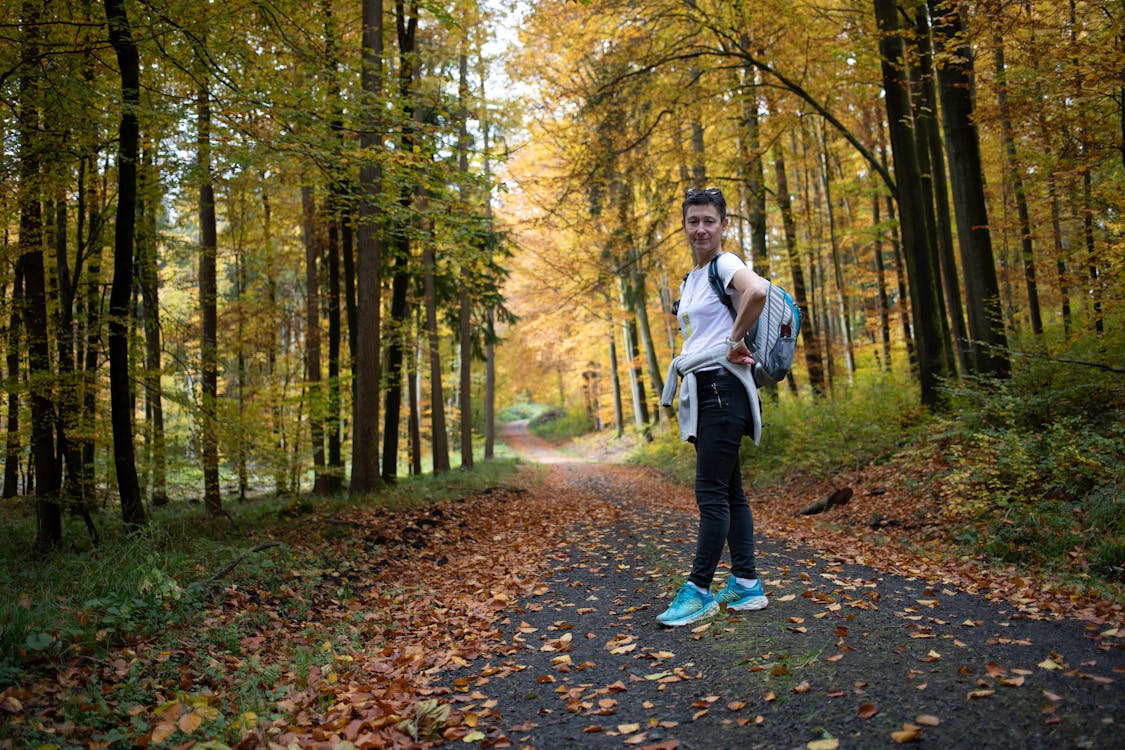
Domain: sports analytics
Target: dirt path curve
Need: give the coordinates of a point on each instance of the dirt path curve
(846, 655)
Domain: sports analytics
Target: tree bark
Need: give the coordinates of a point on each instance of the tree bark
(369, 261)
(989, 345)
(465, 307)
(439, 438)
(311, 236)
(208, 307)
(810, 336)
(121, 417)
(927, 312)
(150, 294)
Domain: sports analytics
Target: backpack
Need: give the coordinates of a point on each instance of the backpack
(772, 340)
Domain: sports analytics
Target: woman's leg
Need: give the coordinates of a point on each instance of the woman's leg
(723, 412)
(740, 535)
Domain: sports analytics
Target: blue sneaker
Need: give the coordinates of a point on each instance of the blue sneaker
(689, 605)
(737, 596)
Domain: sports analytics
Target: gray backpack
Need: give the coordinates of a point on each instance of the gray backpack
(772, 340)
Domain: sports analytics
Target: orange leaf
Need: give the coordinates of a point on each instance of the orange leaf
(909, 733)
(867, 710)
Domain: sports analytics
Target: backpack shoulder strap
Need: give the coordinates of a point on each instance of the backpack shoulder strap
(717, 283)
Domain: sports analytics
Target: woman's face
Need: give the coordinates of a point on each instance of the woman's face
(704, 230)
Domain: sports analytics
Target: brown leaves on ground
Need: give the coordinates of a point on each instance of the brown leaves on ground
(896, 521)
(374, 605)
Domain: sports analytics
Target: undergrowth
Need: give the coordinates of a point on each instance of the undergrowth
(1033, 466)
(83, 600)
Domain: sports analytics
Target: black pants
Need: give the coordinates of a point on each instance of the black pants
(724, 513)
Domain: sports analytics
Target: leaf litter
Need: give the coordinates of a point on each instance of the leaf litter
(402, 630)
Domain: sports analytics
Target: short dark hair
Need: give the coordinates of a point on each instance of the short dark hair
(711, 196)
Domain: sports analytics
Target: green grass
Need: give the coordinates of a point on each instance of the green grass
(810, 437)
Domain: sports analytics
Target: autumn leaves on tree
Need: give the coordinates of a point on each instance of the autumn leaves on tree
(311, 257)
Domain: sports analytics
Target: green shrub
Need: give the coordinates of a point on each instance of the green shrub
(559, 424)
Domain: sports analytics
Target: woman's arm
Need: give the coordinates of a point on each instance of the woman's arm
(752, 290)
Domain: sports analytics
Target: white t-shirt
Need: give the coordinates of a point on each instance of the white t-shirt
(705, 321)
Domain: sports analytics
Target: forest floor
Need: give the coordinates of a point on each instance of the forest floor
(524, 617)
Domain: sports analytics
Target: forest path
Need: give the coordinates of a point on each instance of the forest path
(846, 655)
(523, 616)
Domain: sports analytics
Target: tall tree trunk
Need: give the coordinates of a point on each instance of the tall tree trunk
(93, 317)
(928, 314)
(47, 510)
(810, 336)
(334, 475)
(627, 301)
(439, 438)
(1022, 211)
(935, 182)
(369, 261)
(396, 342)
(12, 381)
(754, 169)
(490, 323)
(881, 283)
(278, 460)
(414, 388)
(311, 235)
(615, 378)
(208, 307)
(406, 27)
(339, 246)
(150, 294)
(124, 457)
(989, 345)
(465, 308)
(837, 261)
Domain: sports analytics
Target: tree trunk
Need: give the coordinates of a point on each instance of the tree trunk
(124, 457)
(439, 438)
(465, 308)
(934, 182)
(810, 337)
(921, 272)
(615, 377)
(1026, 247)
(279, 458)
(837, 261)
(12, 438)
(150, 294)
(754, 170)
(369, 261)
(311, 236)
(396, 342)
(406, 26)
(989, 345)
(414, 387)
(334, 475)
(208, 307)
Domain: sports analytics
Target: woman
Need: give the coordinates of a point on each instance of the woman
(718, 405)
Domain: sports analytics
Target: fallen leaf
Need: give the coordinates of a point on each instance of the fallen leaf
(927, 720)
(867, 710)
(830, 743)
(908, 733)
